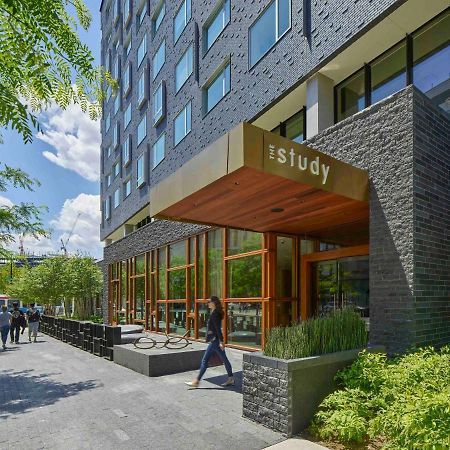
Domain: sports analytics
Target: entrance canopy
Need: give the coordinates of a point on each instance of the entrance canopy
(254, 179)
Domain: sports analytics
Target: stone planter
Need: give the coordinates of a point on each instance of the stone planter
(285, 394)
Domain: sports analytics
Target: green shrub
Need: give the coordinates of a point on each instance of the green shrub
(341, 330)
(96, 319)
(406, 401)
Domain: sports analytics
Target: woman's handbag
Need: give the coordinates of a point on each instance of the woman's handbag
(214, 360)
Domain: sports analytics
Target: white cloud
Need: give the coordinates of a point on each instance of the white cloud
(5, 202)
(76, 139)
(85, 238)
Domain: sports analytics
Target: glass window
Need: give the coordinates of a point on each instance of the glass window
(184, 68)
(116, 198)
(108, 180)
(139, 297)
(127, 47)
(269, 28)
(116, 104)
(142, 130)
(115, 72)
(217, 23)
(126, 153)
(108, 122)
(158, 17)
(109, 151)
(218, 88)
(240, 241)
(177, 254)
(177, 284)
(181, 19)
(431, 55)
(116, 10)
(141, 89)
(143, 12)
(162, 273)
(285, 267)
(116, 169)
(388, 73)
(203, 316)
(177, 318)
(127, 79)
(159, 58)
(215, 260)
(159, 150)
(127, 116)
(127, 188)
(245, 277)
(140, 264)
(158, 104)
(244, 323)
(126, 11)
(115, 141)
(350, 96)
(107, 210)
(140, 172)
(182, 124)
(295, 127)
(142, 50)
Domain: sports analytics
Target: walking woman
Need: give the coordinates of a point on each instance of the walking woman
(215, 338)
(5, 324)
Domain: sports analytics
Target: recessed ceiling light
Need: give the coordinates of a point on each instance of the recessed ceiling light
(277, 210)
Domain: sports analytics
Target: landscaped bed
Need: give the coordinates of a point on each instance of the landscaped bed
(401, 403)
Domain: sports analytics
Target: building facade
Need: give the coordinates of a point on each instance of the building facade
(289, 156)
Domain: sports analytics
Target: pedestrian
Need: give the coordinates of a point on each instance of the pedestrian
(214, 337)
(5, 324)
(33, 318)
(17, 319)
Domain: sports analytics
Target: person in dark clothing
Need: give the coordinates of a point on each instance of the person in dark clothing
(17, 320)
(215, 338)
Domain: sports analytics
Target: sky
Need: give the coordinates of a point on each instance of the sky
(66, 161)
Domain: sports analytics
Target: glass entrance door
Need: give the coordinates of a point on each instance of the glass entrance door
(341, 283)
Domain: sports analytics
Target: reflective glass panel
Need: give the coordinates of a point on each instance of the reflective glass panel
(191, 250)
(162, 274)
(218, 88)
(161, 316)
(431, 70)
(139, 297)
(159, 150)
(200, 265)
(217, 23)
(181, 19)
(142, 130)
(123, 280)
(350, 96)
(263, 34)
(177, 318)
(215, 259)
(240, 241)
(244, 323)
(177, 284)
(388, 73)
(295, 127)
(159, 17)
(203, 315)
(184, 68)
(177, 254)
(283, 314)
(159, 59)
(285, 266)
(140, 264)
(245, 277)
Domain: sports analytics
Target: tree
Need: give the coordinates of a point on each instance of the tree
(24, 218)
(42, 60)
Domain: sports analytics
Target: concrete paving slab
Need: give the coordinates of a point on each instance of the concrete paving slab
(296, 444)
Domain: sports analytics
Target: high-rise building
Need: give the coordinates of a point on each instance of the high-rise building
(289, 156)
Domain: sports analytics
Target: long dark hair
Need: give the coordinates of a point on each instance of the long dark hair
(218, 306)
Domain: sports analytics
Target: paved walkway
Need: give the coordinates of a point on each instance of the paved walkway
(55, 396)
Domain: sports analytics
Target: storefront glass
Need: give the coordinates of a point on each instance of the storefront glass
(177, 318)
(245, 277)
(139, 297)
(351, 96)
(177, 254)
(162, 273)
(240, 241)
(215, 262)
(285, 267)
(244, 323)
(177, 284)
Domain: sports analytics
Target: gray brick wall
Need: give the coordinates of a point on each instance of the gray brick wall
(335, 23)
(431, 222)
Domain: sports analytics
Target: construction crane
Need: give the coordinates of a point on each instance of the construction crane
(64, 244)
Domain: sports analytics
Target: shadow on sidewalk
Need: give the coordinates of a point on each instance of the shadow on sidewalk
(218, 380)
(23, 391)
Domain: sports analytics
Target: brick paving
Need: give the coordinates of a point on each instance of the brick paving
(55, 396)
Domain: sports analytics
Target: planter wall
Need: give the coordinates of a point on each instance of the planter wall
(285, 394)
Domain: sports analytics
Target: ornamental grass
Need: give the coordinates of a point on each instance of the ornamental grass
(339, 331)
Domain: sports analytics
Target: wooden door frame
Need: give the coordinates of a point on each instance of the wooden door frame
(306, 271)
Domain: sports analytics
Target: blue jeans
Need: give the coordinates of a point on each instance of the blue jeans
(4, 330)
(214, 346)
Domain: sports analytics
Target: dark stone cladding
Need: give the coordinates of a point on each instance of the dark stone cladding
(334, 25)
(153, 235)
(403, 142)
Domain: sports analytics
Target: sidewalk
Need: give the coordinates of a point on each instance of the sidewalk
(296, 444)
